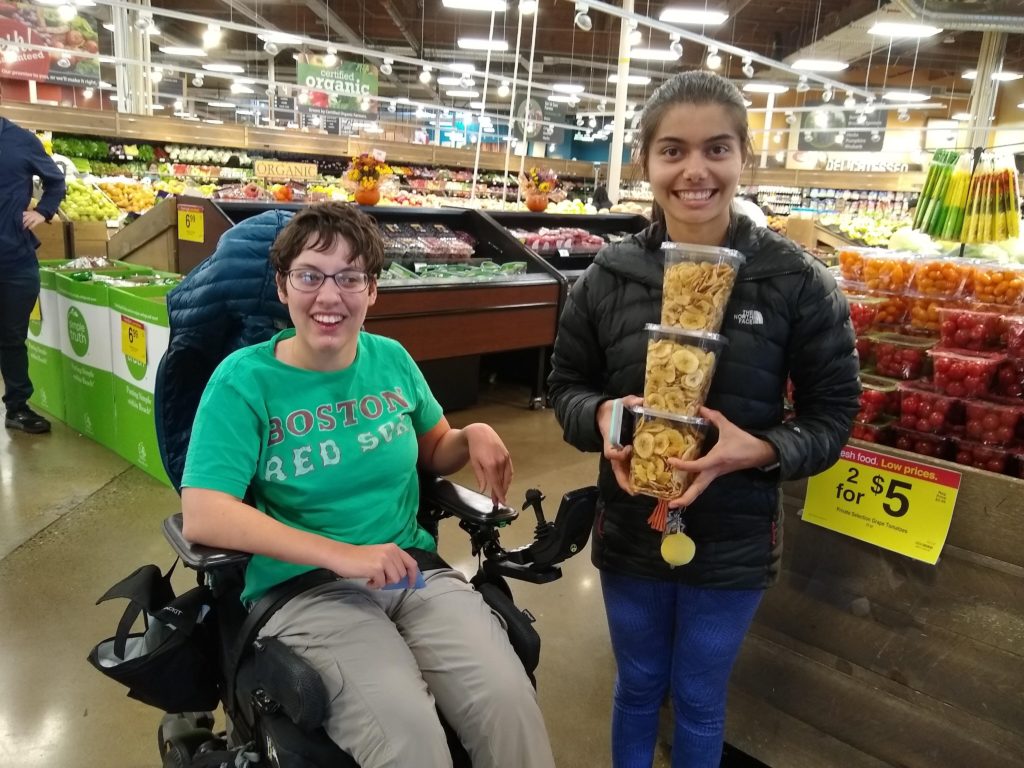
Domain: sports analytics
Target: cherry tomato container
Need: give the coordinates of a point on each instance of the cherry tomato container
(992, 423)
(1010, 379)
(924, 313)
(893, 310)
(980, 456)
(900, 357)
(865, 349)
(970, 330)
(888, 270)
(851, 263)
(864, 312)
(925, 410)
(1001, 284)
(941, 278)
(879, 398)
(923, 443)
(1013, 336)
(873, 433)
(965, 375)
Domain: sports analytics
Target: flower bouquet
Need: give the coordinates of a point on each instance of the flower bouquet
(538, 187)
(364, 175)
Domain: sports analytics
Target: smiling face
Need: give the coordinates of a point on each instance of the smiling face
(694, 161)
(327, 321)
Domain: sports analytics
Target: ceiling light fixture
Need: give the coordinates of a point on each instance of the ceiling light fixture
(820, 65)
(459, 93)
(271, 47)
(861, 118)
(330, 59)
(482, 44)
(826, 94)
(66, 12)
(365, 105)
(903, 115)
(1003, 76)
(221, 104)
(568, 88)
(582, 18)
(504, 90)
(655, 54)
(387, 66)
(88, 93)
(695, 16)
(748, 66)
(144, 23)
(450, 81)
(849, 102)
(183, 50)
(714, 61)
(498, 6)
(914, 96)
(425, 75)
(896, 29)
(527, 7)
(212, 36)
(224, 69)
(631, 79)
(676, 47)
(635, 36)
(197, 81)
(240, 88)
(765, 88)
(802, 86)
(156, 75)
(966, 116)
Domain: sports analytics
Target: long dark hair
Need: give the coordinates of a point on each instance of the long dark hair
(698, 88)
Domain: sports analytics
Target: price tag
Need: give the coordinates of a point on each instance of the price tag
(563, 252)
(36, 315)
(893, 503)
(191, 225)
(133, 340)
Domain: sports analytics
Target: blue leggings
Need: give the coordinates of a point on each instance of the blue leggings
(666, 632)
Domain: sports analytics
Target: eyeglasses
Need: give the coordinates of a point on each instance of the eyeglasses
(310, 280)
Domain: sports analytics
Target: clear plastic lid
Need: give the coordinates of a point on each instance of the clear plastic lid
(676, 252)
(693, 422)
(702, 339)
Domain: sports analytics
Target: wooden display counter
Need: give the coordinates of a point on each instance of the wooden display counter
(862, 658)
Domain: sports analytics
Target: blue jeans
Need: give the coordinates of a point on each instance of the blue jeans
(665, 633)
(19, 289)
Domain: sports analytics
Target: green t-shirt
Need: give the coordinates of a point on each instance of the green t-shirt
(331, 453)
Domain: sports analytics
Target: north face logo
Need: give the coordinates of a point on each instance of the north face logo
(749, 317)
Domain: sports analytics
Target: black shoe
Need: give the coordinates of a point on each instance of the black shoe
(26, 420)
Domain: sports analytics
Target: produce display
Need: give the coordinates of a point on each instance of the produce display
(900, 357)
(972, 330)
(414, 242)
(84, 202)
(870, 229)
(965, 375)
(550, 241)
(879, 399)
(924, 409)
(129, 196)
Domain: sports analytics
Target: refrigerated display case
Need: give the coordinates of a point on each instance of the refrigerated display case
(565, 254)
(456, 284)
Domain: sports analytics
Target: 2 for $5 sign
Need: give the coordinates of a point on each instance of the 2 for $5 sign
(901, 505)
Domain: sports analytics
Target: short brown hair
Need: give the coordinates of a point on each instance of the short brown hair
(318, 228)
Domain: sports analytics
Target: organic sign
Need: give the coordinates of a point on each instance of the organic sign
(338, 89)
(72, 40)
(278, 169)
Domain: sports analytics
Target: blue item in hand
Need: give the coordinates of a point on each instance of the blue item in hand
(404, 583)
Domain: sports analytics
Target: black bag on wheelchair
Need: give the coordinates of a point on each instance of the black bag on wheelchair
(172, 664)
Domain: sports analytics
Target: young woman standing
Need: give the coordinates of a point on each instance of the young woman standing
(679, 629)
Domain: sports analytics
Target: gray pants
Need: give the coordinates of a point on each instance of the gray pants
(386, 656)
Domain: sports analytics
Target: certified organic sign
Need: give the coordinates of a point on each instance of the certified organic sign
(338, 89)
(901, 505)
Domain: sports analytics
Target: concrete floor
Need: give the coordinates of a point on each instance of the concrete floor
(75, 518)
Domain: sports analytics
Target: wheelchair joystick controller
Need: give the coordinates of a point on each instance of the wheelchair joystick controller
(534, 498)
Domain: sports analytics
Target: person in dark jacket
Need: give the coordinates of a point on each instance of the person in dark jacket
(681, 628)
(21, 156)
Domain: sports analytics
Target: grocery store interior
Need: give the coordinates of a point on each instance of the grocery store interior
(491, 140)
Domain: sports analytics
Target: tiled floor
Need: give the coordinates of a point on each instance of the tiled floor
(75, 518)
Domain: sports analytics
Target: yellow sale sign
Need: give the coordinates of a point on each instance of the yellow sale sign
(901, 505)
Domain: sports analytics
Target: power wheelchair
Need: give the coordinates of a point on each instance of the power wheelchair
(274, 703)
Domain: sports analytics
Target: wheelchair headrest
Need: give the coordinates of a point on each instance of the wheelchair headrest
(228, 302)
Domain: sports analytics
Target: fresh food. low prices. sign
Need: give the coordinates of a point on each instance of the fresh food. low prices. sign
(901, 505)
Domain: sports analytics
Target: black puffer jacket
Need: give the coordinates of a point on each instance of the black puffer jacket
(786, 317)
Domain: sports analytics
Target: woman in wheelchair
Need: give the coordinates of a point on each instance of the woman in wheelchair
(321, 430)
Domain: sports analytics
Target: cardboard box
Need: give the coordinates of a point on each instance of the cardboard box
(87, 363)
(89, 238)
(53, 239)
(801, 228)
(45, 359)
(139, 336)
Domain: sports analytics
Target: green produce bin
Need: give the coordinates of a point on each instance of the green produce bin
(87, 362)
(45, 359)
(139, 335)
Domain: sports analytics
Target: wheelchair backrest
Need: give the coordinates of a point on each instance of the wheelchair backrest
(228, 302)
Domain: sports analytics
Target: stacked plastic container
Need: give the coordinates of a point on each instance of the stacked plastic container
(682, 353)
(948, 334)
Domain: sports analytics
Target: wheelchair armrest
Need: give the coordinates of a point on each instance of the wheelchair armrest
(197, 556)
(447, 498)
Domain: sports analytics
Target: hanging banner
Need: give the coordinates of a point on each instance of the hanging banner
(39, 25)
(337, 90)
(838, 130)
